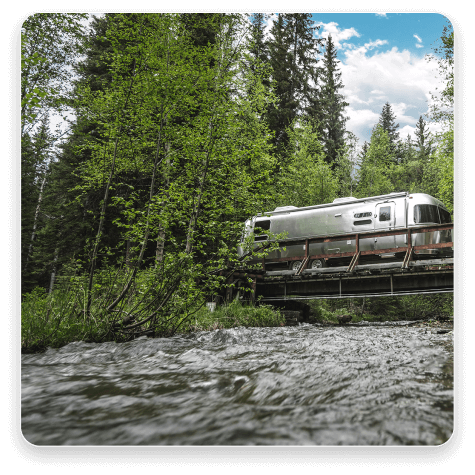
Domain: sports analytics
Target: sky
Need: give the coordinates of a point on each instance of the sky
(383, 60)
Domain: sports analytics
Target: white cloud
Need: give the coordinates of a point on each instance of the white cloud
(338, 35)
(393, 76)
(381, 14)
(361, 119)
(362, 50)
(419, 42)
(405, 131)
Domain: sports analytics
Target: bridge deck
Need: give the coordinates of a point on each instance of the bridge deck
(344, 269)
(385, 278)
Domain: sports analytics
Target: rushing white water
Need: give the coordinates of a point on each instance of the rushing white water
(373, 384)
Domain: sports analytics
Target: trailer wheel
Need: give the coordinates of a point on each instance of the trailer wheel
(295, 265)
(318, 264)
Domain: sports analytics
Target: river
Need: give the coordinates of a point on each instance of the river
(365, 384)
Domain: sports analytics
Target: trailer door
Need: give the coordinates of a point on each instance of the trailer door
(385, 220)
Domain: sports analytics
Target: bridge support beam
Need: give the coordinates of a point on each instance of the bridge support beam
(342, 285)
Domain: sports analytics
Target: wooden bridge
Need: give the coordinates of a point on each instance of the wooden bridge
(406, 276)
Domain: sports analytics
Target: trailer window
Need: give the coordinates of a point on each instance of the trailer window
(426, 214)
(264, 225)
(444, 216)
(385, 213)
(261, 226)
(361, 222)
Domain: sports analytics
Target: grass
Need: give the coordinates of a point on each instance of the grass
(320, 314)
(233, 315)
(56, 319)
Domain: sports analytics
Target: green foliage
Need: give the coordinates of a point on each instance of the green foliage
(307, 179)
(346, 161)
(53, 320)
(376, 167)
(234, 315)
(444, 159)
(370, 309)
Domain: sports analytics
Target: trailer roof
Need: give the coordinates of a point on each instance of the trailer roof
(330, 205)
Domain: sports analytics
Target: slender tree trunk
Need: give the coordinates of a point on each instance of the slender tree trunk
(197, 205)
(53, 273)
(162, 232)
(35, 222)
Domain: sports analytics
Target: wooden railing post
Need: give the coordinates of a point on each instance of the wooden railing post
(408, 256)
(356, 257)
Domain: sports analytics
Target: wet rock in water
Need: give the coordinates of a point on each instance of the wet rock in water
(344, 319)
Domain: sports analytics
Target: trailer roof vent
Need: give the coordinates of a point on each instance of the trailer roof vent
(284, 208)
(342, 200)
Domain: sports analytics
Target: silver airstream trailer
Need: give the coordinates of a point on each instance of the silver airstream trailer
(351, 216)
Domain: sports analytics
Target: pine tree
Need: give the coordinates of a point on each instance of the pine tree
(375, 169)
(424, 141)
(281, 115)
(258, 44)
(363, 152)
(333, 105)
(387, 121)
(293, 50)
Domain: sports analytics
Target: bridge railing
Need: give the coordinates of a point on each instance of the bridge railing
(408, 249)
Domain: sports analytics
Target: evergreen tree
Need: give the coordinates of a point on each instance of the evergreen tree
(292, 50)
(333, 105)
(363, 152)
(375, 169)
(281, 114)
(387, 121)
(407, 174)
(307, 179)
(258, 44)
(347, 160)
(424, 141)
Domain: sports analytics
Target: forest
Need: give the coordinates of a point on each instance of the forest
(180, 127)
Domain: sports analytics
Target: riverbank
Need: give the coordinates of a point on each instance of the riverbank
(48, 323)
(43, 328)
(447, 325)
